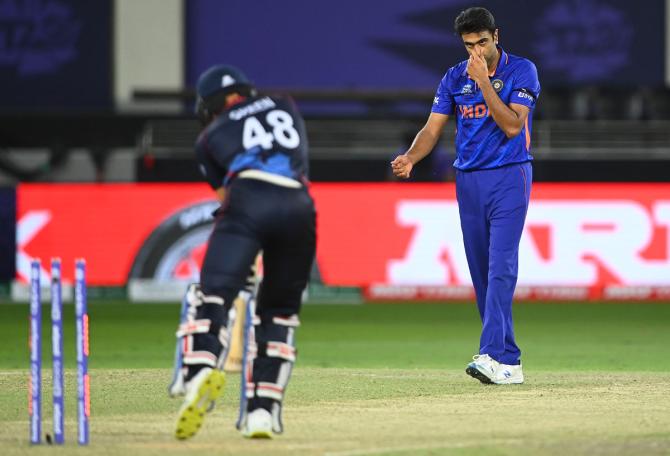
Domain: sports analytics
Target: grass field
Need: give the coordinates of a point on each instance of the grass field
(374, 380)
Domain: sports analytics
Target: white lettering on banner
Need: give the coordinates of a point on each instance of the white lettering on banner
(662, 218)
(27, 227)
(584, 233)
(437, 235)
(583, 237)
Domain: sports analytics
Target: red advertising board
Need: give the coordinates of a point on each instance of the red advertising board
(373, 235)
(107, 224)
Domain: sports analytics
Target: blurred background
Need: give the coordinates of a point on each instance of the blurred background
(97, 128)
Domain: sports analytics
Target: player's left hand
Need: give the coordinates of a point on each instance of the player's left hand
(478, 69)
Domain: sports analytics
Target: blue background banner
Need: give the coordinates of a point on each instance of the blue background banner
(402, 44)
(55, 53)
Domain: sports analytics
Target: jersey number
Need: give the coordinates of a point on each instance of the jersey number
(283, 132)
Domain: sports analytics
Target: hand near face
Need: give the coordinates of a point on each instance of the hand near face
(478, 70)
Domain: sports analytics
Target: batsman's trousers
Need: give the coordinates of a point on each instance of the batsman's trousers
(256, 216)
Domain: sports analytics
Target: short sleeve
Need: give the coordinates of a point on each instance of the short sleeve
(443, 103)
(213, 174)
(526, 87)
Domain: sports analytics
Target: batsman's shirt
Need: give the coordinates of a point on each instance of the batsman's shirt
(262, 133)
(480, 143)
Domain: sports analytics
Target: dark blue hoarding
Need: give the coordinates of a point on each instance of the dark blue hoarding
(410, 44)
(55, 53)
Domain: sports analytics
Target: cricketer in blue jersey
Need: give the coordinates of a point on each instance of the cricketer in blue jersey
(492, 95)
(253, 153)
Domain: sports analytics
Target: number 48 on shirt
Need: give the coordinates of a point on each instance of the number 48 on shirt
(283, 132)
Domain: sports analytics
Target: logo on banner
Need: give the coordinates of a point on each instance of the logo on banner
(176, 248)
(558, 49)
(37, 37)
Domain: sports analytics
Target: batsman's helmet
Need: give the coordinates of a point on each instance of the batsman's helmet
(214, 84)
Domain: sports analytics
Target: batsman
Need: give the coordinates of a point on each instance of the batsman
(253, 153)
(492, 94)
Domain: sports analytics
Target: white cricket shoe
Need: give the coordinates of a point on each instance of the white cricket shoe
(508, 374)
(483, 368)
(201, 393)
(259, 425)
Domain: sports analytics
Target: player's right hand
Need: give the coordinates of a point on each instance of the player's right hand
(402, 166)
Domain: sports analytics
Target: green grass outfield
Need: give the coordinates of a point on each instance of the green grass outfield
(373, 380)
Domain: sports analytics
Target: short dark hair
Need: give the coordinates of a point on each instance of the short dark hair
(474, 20)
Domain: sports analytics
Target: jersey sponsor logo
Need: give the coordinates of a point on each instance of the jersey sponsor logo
(436, 100)
(477, 111)
(257, 106)
(525, 95)
(467, 89)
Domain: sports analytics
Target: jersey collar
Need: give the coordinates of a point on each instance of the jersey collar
(502, 63)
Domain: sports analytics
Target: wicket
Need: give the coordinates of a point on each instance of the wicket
(82, 344)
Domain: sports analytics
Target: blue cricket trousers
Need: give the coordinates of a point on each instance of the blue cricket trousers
(492, 204)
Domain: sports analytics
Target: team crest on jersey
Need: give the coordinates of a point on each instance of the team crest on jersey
(497, 85)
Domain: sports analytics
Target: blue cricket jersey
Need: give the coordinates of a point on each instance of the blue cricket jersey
(480, 143)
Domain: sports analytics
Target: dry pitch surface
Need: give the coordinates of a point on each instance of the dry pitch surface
(350, 412)
(373, 380)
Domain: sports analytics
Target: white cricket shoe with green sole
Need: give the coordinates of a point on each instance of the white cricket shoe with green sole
(201, 393)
